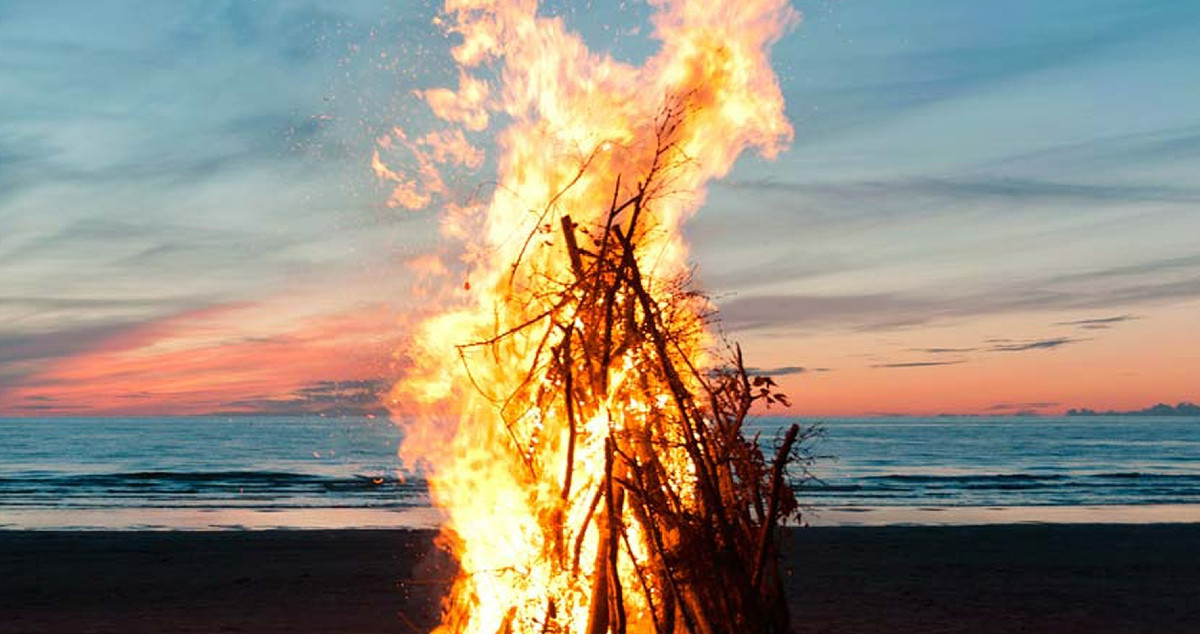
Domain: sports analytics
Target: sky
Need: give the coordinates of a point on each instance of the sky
(988, 208)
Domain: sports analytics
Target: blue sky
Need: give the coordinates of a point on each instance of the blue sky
(963, 173)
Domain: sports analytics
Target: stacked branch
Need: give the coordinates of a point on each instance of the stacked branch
(686, 510)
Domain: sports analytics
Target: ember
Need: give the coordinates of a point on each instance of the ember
(587, 441)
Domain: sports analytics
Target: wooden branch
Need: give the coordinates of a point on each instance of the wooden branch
(777, 484)
(598, 614)
(572, 247)
(550, 614)
(614, 499)
(583, 528)
(645, 583)
(569, 396)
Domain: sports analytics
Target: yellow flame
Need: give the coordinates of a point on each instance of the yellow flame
(577, 122)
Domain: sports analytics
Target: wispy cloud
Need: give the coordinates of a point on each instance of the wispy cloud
(844, 236)
(883, 311)
(1041, 344)
(328, 397)
(24, 354)
(1100, 323)
(974, 189)
(1187, 265)
(1161, 146)
(1009, 407)
(880, 310)
(918, 364)
(786, 370)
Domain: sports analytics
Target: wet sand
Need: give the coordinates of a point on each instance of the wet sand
(984, 579)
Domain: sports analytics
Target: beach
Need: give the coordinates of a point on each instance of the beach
(1035, 578)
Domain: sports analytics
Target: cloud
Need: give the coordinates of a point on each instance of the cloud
(785, 370)
(1102, 323)
(790, 266)
(918, 364)
(44, 303)
(1042, 344)
(1186, 264)
(1161, 146)
(1102, 289)
(47, 408)
(22, 354)
(328, 397)
(855, 236)
(974, 189)
(764, 311)
(1019, 407)
(991, 345)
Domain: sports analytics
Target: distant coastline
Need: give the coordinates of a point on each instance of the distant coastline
(1185, 408)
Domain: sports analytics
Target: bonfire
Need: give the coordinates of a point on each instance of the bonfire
(585, 426)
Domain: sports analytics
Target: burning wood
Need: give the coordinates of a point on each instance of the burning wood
(655, 513)
(589, 447)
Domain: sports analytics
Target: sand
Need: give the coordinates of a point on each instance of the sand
(979, 580)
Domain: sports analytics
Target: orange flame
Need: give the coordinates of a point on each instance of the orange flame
(580, 126)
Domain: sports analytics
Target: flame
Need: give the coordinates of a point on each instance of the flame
(515, 479)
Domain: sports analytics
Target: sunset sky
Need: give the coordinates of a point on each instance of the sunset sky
(988, 207)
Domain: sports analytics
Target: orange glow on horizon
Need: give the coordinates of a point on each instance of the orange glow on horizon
(192, 363)
(1123, 368)
(233, 358)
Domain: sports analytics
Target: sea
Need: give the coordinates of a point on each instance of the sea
(253, 473)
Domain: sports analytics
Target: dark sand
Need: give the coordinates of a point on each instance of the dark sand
(974, 580)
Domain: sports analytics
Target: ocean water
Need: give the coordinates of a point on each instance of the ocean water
(205, 473)
(308, 472)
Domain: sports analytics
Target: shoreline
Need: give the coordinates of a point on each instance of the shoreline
(882, 516)
(133, 519)
(1033, 578)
